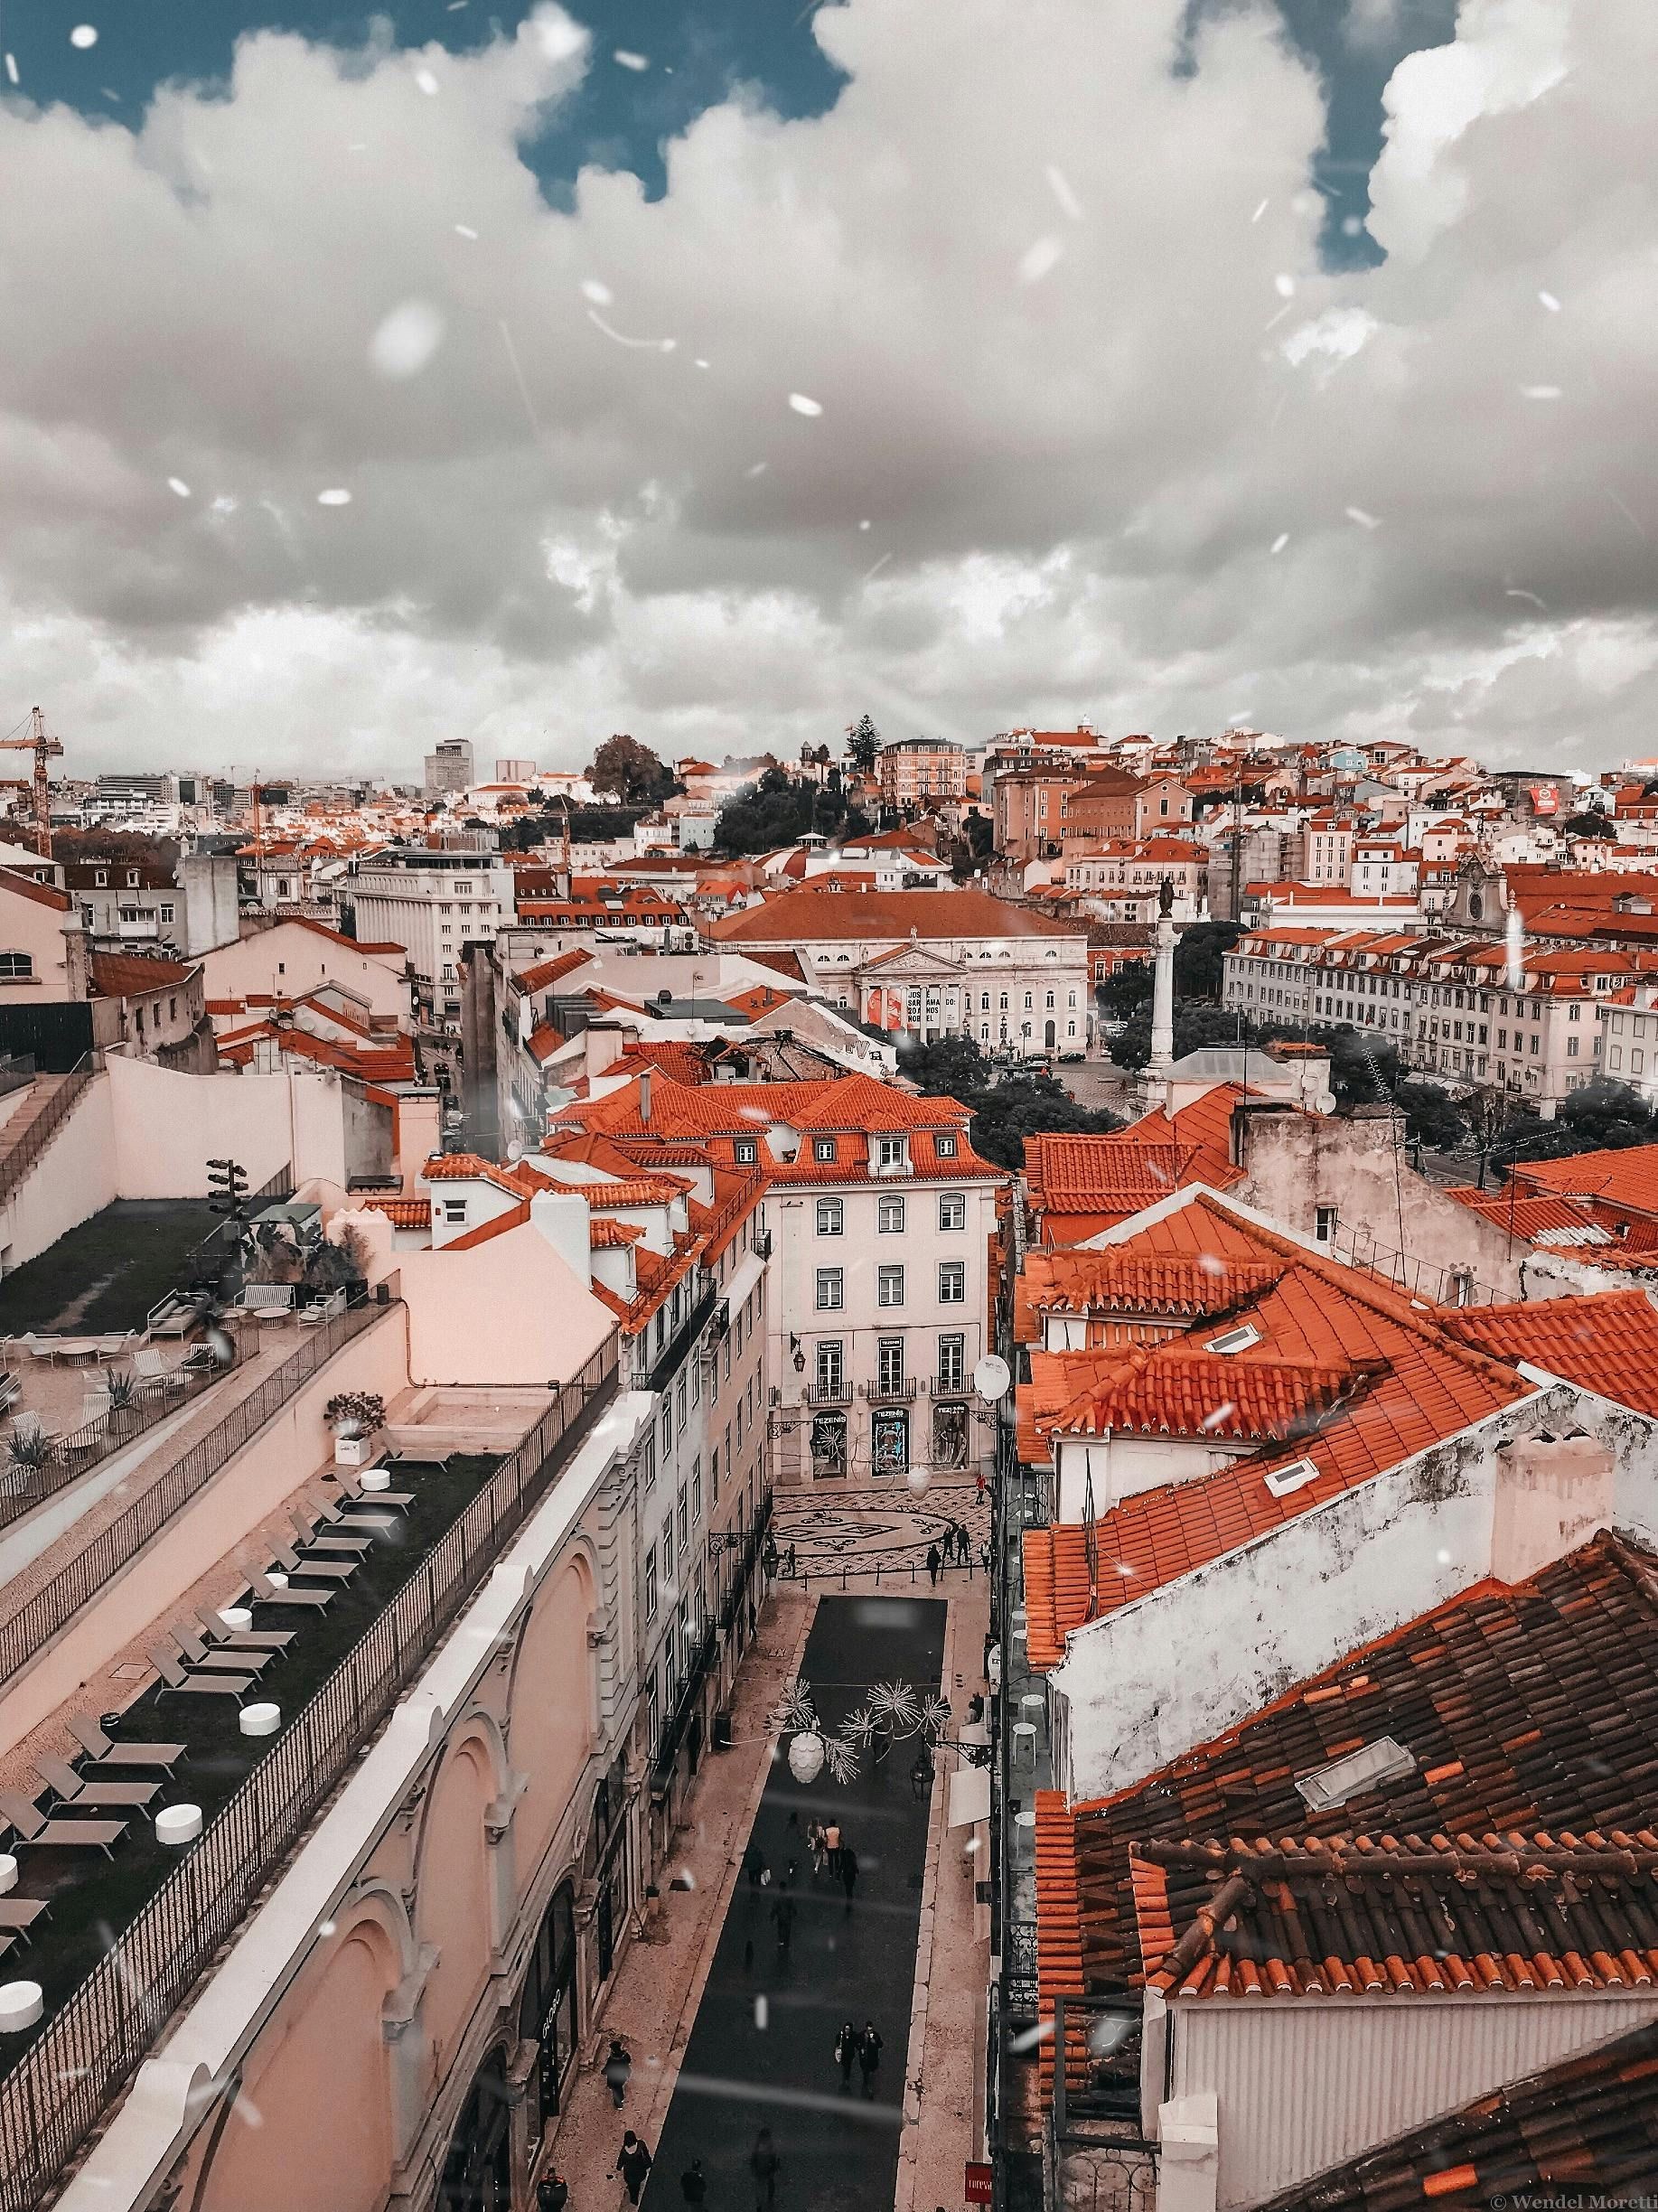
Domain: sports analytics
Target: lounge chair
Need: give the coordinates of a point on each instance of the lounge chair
(19, 1915)
(205, 1684)
(240, 1639)
(199, 1655)
(11, 1390)
(73, 1789)
(32, 1826)
(376, 1501)
(266, 1592)
(108, 1753)
(317, 1540)
(323, 1569)
(152, 1372)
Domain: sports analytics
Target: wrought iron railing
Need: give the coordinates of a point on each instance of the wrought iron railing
(898, 1391)
(59, 2090)
(40, 1618)
(829, 1394)
(34, 1139)
(68, 1457)
(1021, 1992)
(675, 1352)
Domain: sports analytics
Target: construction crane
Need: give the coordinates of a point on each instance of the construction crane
(45, 748)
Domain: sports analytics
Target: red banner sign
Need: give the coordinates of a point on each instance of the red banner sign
(978, 2185)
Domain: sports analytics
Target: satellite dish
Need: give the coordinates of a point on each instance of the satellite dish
(991, 1377)
(515, 1150)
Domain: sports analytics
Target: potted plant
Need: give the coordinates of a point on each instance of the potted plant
(123, 1392)
(27, 1451)
(354, 1416)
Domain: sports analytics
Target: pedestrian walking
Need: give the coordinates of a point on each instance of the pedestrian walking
(754, 1864)
(789, 1561)
(933, 1563)
(964, 1543)
(633, 2163)
(552, 2192)
(618, 2065)
(815, 1845)
(832, 1846)
(868, 2057)
(782, 1913)
(849, 1873)
(982, 1486)
(694, 2184)
(846, 2052)
(763, 2163)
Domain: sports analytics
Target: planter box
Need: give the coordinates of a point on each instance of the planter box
(353, 1451)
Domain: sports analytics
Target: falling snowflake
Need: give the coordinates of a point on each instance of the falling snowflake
(1352, 225)
(1039, 259)
(1261, 209)
(177, 483)
(1284, 285)
(1280, 541)
(624, 60)
(803, 406)
(1539, 391)
(763, 2010)
(701, 363)
(1059, 184)
(1549, 302)
(650, 345)
(83, 36)
(863, 526)
(600, 295)
(335, 497)
(407, 339)
(465, 230)
(11, 66)
(426, 81)
(1362, 517)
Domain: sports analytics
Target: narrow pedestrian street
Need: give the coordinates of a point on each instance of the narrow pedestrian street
(761, 2051)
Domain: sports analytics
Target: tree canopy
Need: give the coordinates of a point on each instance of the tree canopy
(631, 770)
(863, 743)
(780, 810)
(1005, 1111)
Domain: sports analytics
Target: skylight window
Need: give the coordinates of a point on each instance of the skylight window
(1355, 1774)
(1235, 1339)
(1282, 1480)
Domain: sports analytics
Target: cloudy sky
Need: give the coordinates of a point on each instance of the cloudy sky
(719, 370)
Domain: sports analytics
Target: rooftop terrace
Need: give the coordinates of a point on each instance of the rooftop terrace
(108, 1274)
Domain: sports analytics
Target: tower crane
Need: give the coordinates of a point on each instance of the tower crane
(45, 748)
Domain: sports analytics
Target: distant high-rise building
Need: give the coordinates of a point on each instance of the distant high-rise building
(448, 768)
(515, 771)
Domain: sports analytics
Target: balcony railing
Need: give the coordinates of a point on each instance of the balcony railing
(61, 2087)
(950, 1386)
(899, 1391)
(673, 1354)
(57, 1602)
(829, 1393)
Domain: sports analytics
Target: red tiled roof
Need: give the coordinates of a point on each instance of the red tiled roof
(1526, 1711)
(1584, 2130)
(684, 1062)
(1514, 1913)
(606, 1234)
(1173, 1391)
(1421, 1384)
(1608, 1343)
(514, 1217)
(42, 894)
(1079, 1185)
(1627, 1179)
(130, 975)
(1177, 1288)
(809, 916)
(549, 971)
(402, 1212)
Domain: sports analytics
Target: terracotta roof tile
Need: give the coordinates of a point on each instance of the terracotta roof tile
(1608, 1343)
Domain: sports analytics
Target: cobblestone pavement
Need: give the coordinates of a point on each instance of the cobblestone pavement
(839, 1532)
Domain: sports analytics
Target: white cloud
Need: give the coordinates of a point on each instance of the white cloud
(1073, 488)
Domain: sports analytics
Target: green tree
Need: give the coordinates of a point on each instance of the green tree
(1432, 1117)
(631, 770)
(1005, 1111)
(780, 810)
(1125, 991)
(1199, 959)
(1195, 1026)
(1590, 823)
(863, 743)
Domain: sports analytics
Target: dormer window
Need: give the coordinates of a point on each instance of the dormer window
(745, 1151)
(823, 1147)
(945, 1145)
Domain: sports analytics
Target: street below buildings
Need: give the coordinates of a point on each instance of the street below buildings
(762, 2050)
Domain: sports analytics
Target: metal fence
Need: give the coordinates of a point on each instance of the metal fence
(57, 1602)
(59, 2089)
(22, 1487)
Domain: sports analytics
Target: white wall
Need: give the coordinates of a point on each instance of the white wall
(73, 1178)
(1148, 1683)
(168, 1126)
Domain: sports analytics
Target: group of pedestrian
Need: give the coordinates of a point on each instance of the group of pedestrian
(863, 2050)
(957, 1550)
(634, 2162)
(833, 1855)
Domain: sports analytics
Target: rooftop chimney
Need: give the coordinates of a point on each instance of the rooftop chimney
(644, 1098)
